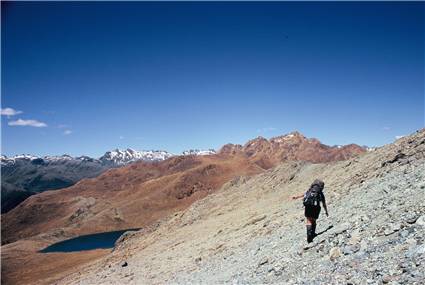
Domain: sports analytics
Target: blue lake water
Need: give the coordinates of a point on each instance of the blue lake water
(86, 242)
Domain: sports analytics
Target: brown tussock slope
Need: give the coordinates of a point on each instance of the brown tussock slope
(128, 197)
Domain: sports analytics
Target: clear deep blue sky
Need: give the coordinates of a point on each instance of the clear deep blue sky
(198, 75)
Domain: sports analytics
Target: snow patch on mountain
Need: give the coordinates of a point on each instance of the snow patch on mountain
(199, 152)
(4, 160)
(121, 157)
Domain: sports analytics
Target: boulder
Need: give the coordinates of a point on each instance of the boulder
(334, 253)
(421, 220)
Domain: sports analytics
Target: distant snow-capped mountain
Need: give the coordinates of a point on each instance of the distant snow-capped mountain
(25, 175)
(198, 152)
(122, 157)
(365, 147)
(369, 149)
(4, 160)
(116, 157)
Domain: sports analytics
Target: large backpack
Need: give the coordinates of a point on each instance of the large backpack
(313, 196)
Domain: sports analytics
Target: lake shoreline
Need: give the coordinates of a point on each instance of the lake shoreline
(103, 240)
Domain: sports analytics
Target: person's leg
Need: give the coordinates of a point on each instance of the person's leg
(314, 219)
(309, 228)
(313, 227)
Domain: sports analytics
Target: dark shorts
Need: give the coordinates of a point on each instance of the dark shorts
(312, 212)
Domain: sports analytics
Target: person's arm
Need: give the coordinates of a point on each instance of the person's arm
(324, 205)
(297, 196)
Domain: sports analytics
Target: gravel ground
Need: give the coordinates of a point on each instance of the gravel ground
(377, 237)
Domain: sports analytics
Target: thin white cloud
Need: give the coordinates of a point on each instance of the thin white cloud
(10, 112)
(67, 132)
(386, 128)
(399, 137)
(268, 129)
(121, 137)
(62, 126)
(27, 123)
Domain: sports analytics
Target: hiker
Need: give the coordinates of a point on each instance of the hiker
(311, 201)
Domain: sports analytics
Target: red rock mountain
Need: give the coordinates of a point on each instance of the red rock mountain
(293, 146)
(139, 194)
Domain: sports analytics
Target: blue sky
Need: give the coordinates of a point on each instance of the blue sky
(96, 76)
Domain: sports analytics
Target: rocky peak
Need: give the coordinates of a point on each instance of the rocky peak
(230, 149)
(288, 138)
(257, 141)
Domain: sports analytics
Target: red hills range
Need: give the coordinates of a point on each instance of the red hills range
(137, 195)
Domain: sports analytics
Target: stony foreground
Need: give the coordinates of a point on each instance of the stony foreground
(251, 232)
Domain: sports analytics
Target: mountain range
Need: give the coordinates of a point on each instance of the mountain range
(148, 186)
(26, 175)
(227, 216)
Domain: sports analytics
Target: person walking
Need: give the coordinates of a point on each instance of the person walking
(311, 201)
